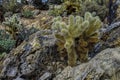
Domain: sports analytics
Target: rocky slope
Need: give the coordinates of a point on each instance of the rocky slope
(37, 59)
(104, 66)
(31, 58)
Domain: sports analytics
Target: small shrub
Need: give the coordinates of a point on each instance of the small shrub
(12, 25)
(11, 5)
(16, 30)
(79, 7)
(27, 14)
(6, 43)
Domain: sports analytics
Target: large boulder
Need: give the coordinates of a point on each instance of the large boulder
(104, 66)
(31, 59)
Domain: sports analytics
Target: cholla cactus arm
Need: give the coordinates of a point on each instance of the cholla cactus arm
(56, 24)
(63, 25)
(84, 26)
(88, 16)
(94, 25)
(93, 39)
(69, 43)
(71, 21)
(79, 20)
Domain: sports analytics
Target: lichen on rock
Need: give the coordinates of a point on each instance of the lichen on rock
(30, 58)
(103, 66)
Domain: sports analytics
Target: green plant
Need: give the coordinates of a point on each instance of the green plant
(71, 6)
(13, 25)
(16, 30)
(27, 13)
(78, 36)
(6, 43)
(79, 7)
(56, 12)
(94, 7)
(11, 5)
(68, 6)
(2, 55)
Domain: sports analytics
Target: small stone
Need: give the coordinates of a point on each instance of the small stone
(18, 78)
(45, 76)
(36, 12)
(12, 72)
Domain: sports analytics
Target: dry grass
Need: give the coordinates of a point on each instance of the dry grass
(41, 21)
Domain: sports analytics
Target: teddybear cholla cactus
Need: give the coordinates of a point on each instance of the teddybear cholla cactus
(12, 25)
(78, 36)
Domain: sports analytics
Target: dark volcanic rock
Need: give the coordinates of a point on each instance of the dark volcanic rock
(41, 5)
(110, 37)
(1, 13)
(31, 58)
(55, 1)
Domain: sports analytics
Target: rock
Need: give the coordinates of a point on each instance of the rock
(1, 13)
(118, 1)
(29, 60)
(110, 37)
(40, 4)
(46, 76)
(103, 66)
(36, 12)
(18, 78)
(55, 1)
(12, 72)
